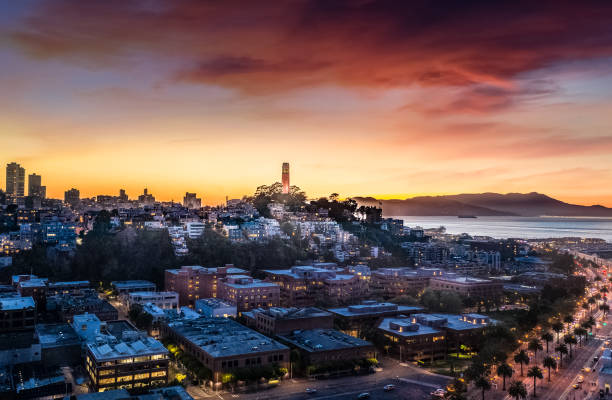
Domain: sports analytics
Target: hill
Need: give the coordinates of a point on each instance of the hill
(485, 204)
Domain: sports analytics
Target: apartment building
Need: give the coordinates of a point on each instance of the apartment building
(17, 313)
(197, 282)
(163, 300)
(279, 320)
(468, 287)
(248, 293)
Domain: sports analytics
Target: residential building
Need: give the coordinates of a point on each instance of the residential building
(163, 300)
(412, 340)
(60, 345)
(248, 293)
(197, 282)
(35, 189)
(279, 320)
(191, 201)
(72, 197)
(394, 282)
(223, 345)
(66, 306)
(604, 368)
(15, 180)
(17, 313)
(195, 229)
(216, 308)
(19, 347)
(69, 287)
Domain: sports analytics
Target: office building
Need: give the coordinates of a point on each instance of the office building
(124, 287)
(167, 393)
(248, 293)
(146, 198)
(163, 300)
(120, 357)
(468, 287)
(285, 178)
(223, 345)
(60, 345)
(196, 282)
(319, 346)
(279, 320)
(216, 308)
(191, 201)
(72, 197)
(358, 319)
(19, 347)
(66, 306)
(123, 197)
(394, 282)
(15, 180)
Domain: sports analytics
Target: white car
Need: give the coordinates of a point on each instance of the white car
(438, 393)
(389, 387)
(311, 390)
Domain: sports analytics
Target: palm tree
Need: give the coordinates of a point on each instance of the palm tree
(580, 332)
(547, 337)
(605, 308)
(517, 390)
(521, 358)
(571, 340)
(536, 373)
(549, 363)
(483, 384)
(535, 345)
(568, 319)
(591, 301)
(562, 349)
(557, 327)
(586, 306)
(505, 371)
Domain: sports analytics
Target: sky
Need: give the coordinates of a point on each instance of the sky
(364, 98)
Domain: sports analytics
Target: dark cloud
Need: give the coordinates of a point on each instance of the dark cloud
(262, 47)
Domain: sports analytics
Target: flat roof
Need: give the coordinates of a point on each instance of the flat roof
(134, 283)
(292, 312)
(208, 270)
(17, 339)
(57, 335)
(455, 321)
(385, 325)
(214, 303)
(69, 283)
(222, 337)
(115, 345)
(316, 340)
(254, 284)
(16, 303)
(365, 310)
(461, 279)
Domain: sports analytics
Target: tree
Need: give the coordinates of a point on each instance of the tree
(536, 373)
(571, 340)
(557, 326)
(549, 362)
(535, 345)
(591, 301)
(483, 384)
(568, 319)
(521, 358)
(517, 390)
(562, 349)
(547, 337)
(605, 308)
(580, 332)
(505, 371)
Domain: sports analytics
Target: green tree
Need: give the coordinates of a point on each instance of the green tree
(505, 371)
(521, 358)
(517, 390)
(547, 337)
(536, 373)
(535, 345)
(549, 362)
(580, 332)
(570, 340)
(568, 319)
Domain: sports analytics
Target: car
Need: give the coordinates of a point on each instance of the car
(311, 390)
(580, 378)
(586, 369)
(438, 393)
(576, 386)
(364, 395)
(388, 387)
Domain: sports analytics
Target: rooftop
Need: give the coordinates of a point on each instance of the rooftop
(405, 327)
(292, 312)
(167, 393)
(69, 283)
(213, 303)
(222, 337)
(207, 270)
(55, 335)
(462, 279)
(131, 284)
(17, 340)
(371, 308)
(314, 340)
(16, 303)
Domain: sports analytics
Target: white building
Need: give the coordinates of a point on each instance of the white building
(163, 300)
(194, 229)
(215, 308)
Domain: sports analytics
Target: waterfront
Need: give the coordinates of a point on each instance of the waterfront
(518, 227)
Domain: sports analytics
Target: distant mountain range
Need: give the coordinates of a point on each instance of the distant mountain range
(485, 204)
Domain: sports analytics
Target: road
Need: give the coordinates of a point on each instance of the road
(410, 383)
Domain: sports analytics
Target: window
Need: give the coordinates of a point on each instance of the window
(106, 381)
(126, 378)
(158, 373)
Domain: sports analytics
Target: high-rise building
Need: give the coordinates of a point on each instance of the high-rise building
(122, 195)
(35, 189)
(286, 178)
(72, 196)
(15, 180)
(191, 201)
(146, 198)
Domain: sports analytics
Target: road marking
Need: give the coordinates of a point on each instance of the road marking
(431, 385)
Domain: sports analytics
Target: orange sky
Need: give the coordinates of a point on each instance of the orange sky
(363, 98)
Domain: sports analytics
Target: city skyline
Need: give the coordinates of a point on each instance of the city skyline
(377, 99)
